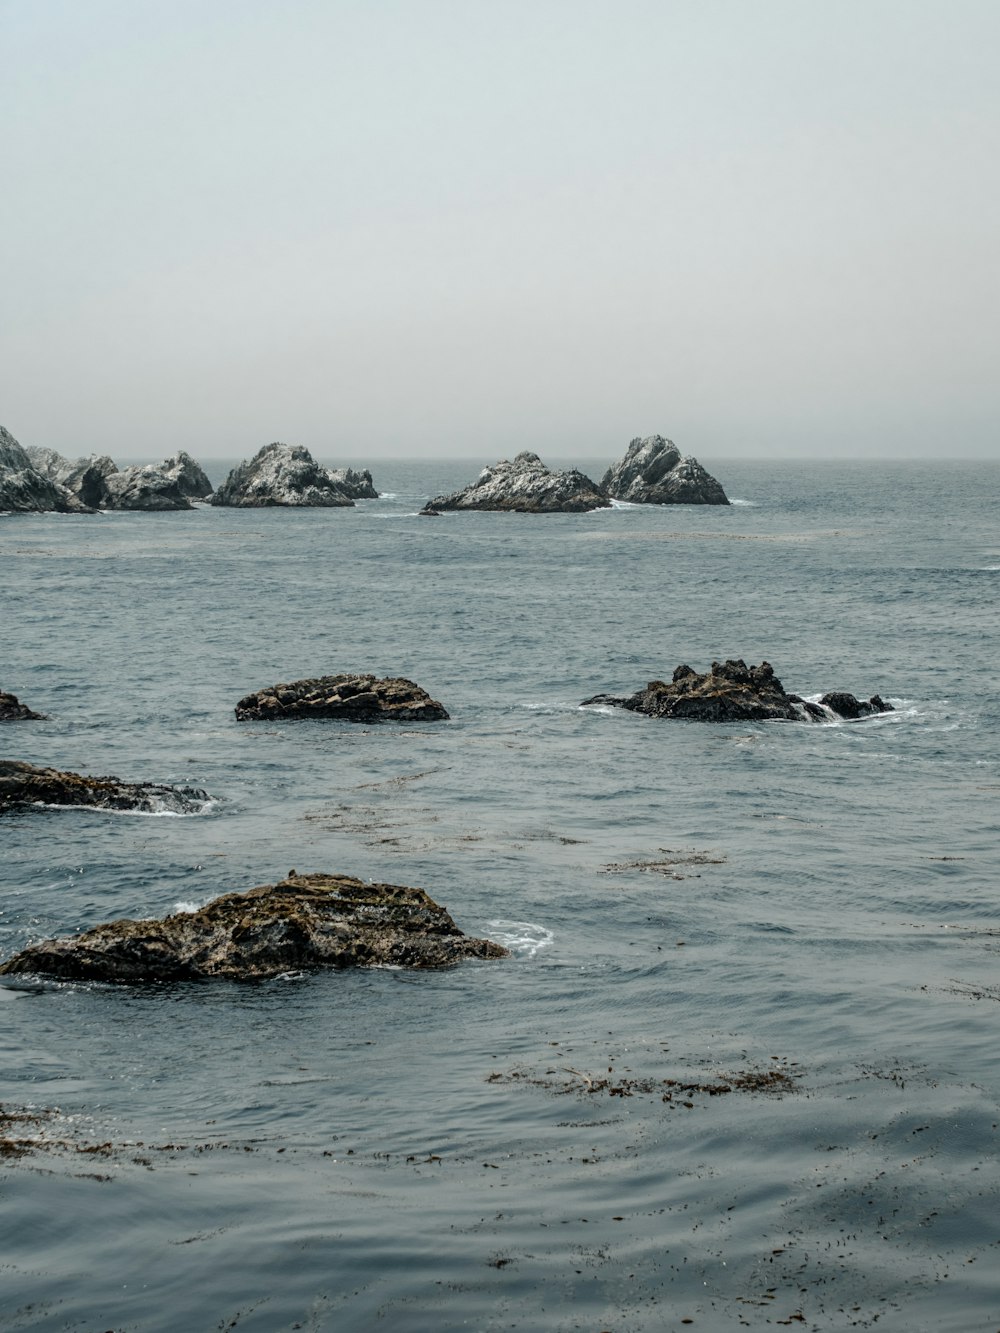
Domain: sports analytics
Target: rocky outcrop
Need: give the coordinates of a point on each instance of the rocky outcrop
(654, 471)
(171, 484)
(23, 489)
(734, 692)
(525, 486)
(25, 785)
(348, 698)
(12, 710)
(303, 922)
(355, 485)
(285, 474)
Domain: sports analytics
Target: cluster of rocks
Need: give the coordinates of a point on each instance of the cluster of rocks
(304, 922)
(653, 471)
(731, 691)
(36, 480)
(348, 698)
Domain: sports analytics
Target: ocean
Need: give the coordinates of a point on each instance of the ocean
(740, 1069)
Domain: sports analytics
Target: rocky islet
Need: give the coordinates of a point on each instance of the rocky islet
(347, 698)
(287, 475)
(23, 785)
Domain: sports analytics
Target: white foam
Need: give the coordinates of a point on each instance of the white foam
(748, 504)
(187, 907)
(521, 937)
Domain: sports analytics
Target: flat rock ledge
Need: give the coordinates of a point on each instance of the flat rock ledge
(525, 486)
(349, 698)
(305, 922)
(654, 471)
(23, 785)
(12, 710)
(734, 692)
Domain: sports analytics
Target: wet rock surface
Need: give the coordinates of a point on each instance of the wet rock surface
(653, 471)
(287, 475)
(525, 486)
(24, 784)
(731, 691)
(303, 922)
(12, 710)
(348, 697)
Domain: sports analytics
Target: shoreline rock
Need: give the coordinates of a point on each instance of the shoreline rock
(653, 471)
(347, 697)
(12, 710)
(24, 785)
(287, 475)
(524, 486)
(304, 922)
(731, 691)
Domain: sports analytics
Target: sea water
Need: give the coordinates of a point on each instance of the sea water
(805, 914)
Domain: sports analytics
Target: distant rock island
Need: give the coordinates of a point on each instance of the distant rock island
(349, 698)
(287, 475)
(97, 483)
(655, 472)
(302, 922)
(525, 486)
(731, 691)
(26, 785)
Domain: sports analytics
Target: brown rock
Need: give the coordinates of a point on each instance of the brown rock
(351, 698)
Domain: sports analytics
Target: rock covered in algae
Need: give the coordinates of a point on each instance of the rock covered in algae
(731, 691)
(349, 697)
(24, 784)
(305, 922)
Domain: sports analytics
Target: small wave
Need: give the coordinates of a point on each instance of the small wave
(747, 504)
(988, 569)
(622, 504)
(185, 906)
(521, 937)
(194, 808)
(387, 495)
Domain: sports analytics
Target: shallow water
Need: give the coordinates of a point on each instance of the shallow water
(490, 1147)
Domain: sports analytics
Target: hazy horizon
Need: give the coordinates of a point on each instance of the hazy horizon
(448, 229)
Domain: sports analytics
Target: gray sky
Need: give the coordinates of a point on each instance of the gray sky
(436, 228)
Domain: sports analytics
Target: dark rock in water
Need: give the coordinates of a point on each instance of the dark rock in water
(24, 785)
(845, 705)
(285, 474)
(350, 698)
(12, 710)
(733, 692)
(355, 485)
(304, 922)
(23, 488)
(429, 511)
(654, 471)
(525, 486)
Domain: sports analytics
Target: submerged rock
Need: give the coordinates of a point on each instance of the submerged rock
(303, 922)
(734, 692)
(285, 474)
(654, 471)
(525, 486)
(12, 710)
(24, 785)
(351, 698)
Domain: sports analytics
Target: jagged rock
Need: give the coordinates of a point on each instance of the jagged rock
(350, 698)
(525, 486)
(12, 710)
(355, 485)
(734, 692)
(157, 486)
(85, 479)
(654, 471)
(23, 489)
(24, 785)
(284, 474)
(303, 922)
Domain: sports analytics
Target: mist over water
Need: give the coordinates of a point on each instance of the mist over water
(804, 915)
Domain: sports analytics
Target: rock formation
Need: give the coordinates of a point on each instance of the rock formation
(355, 485)
(525, 486)
(12, 710)
(23, 488)
(303, 922)
(349, 698)
(25, 785)
(733, 692)
(285, 474)
(653, 471)
(96, 482)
